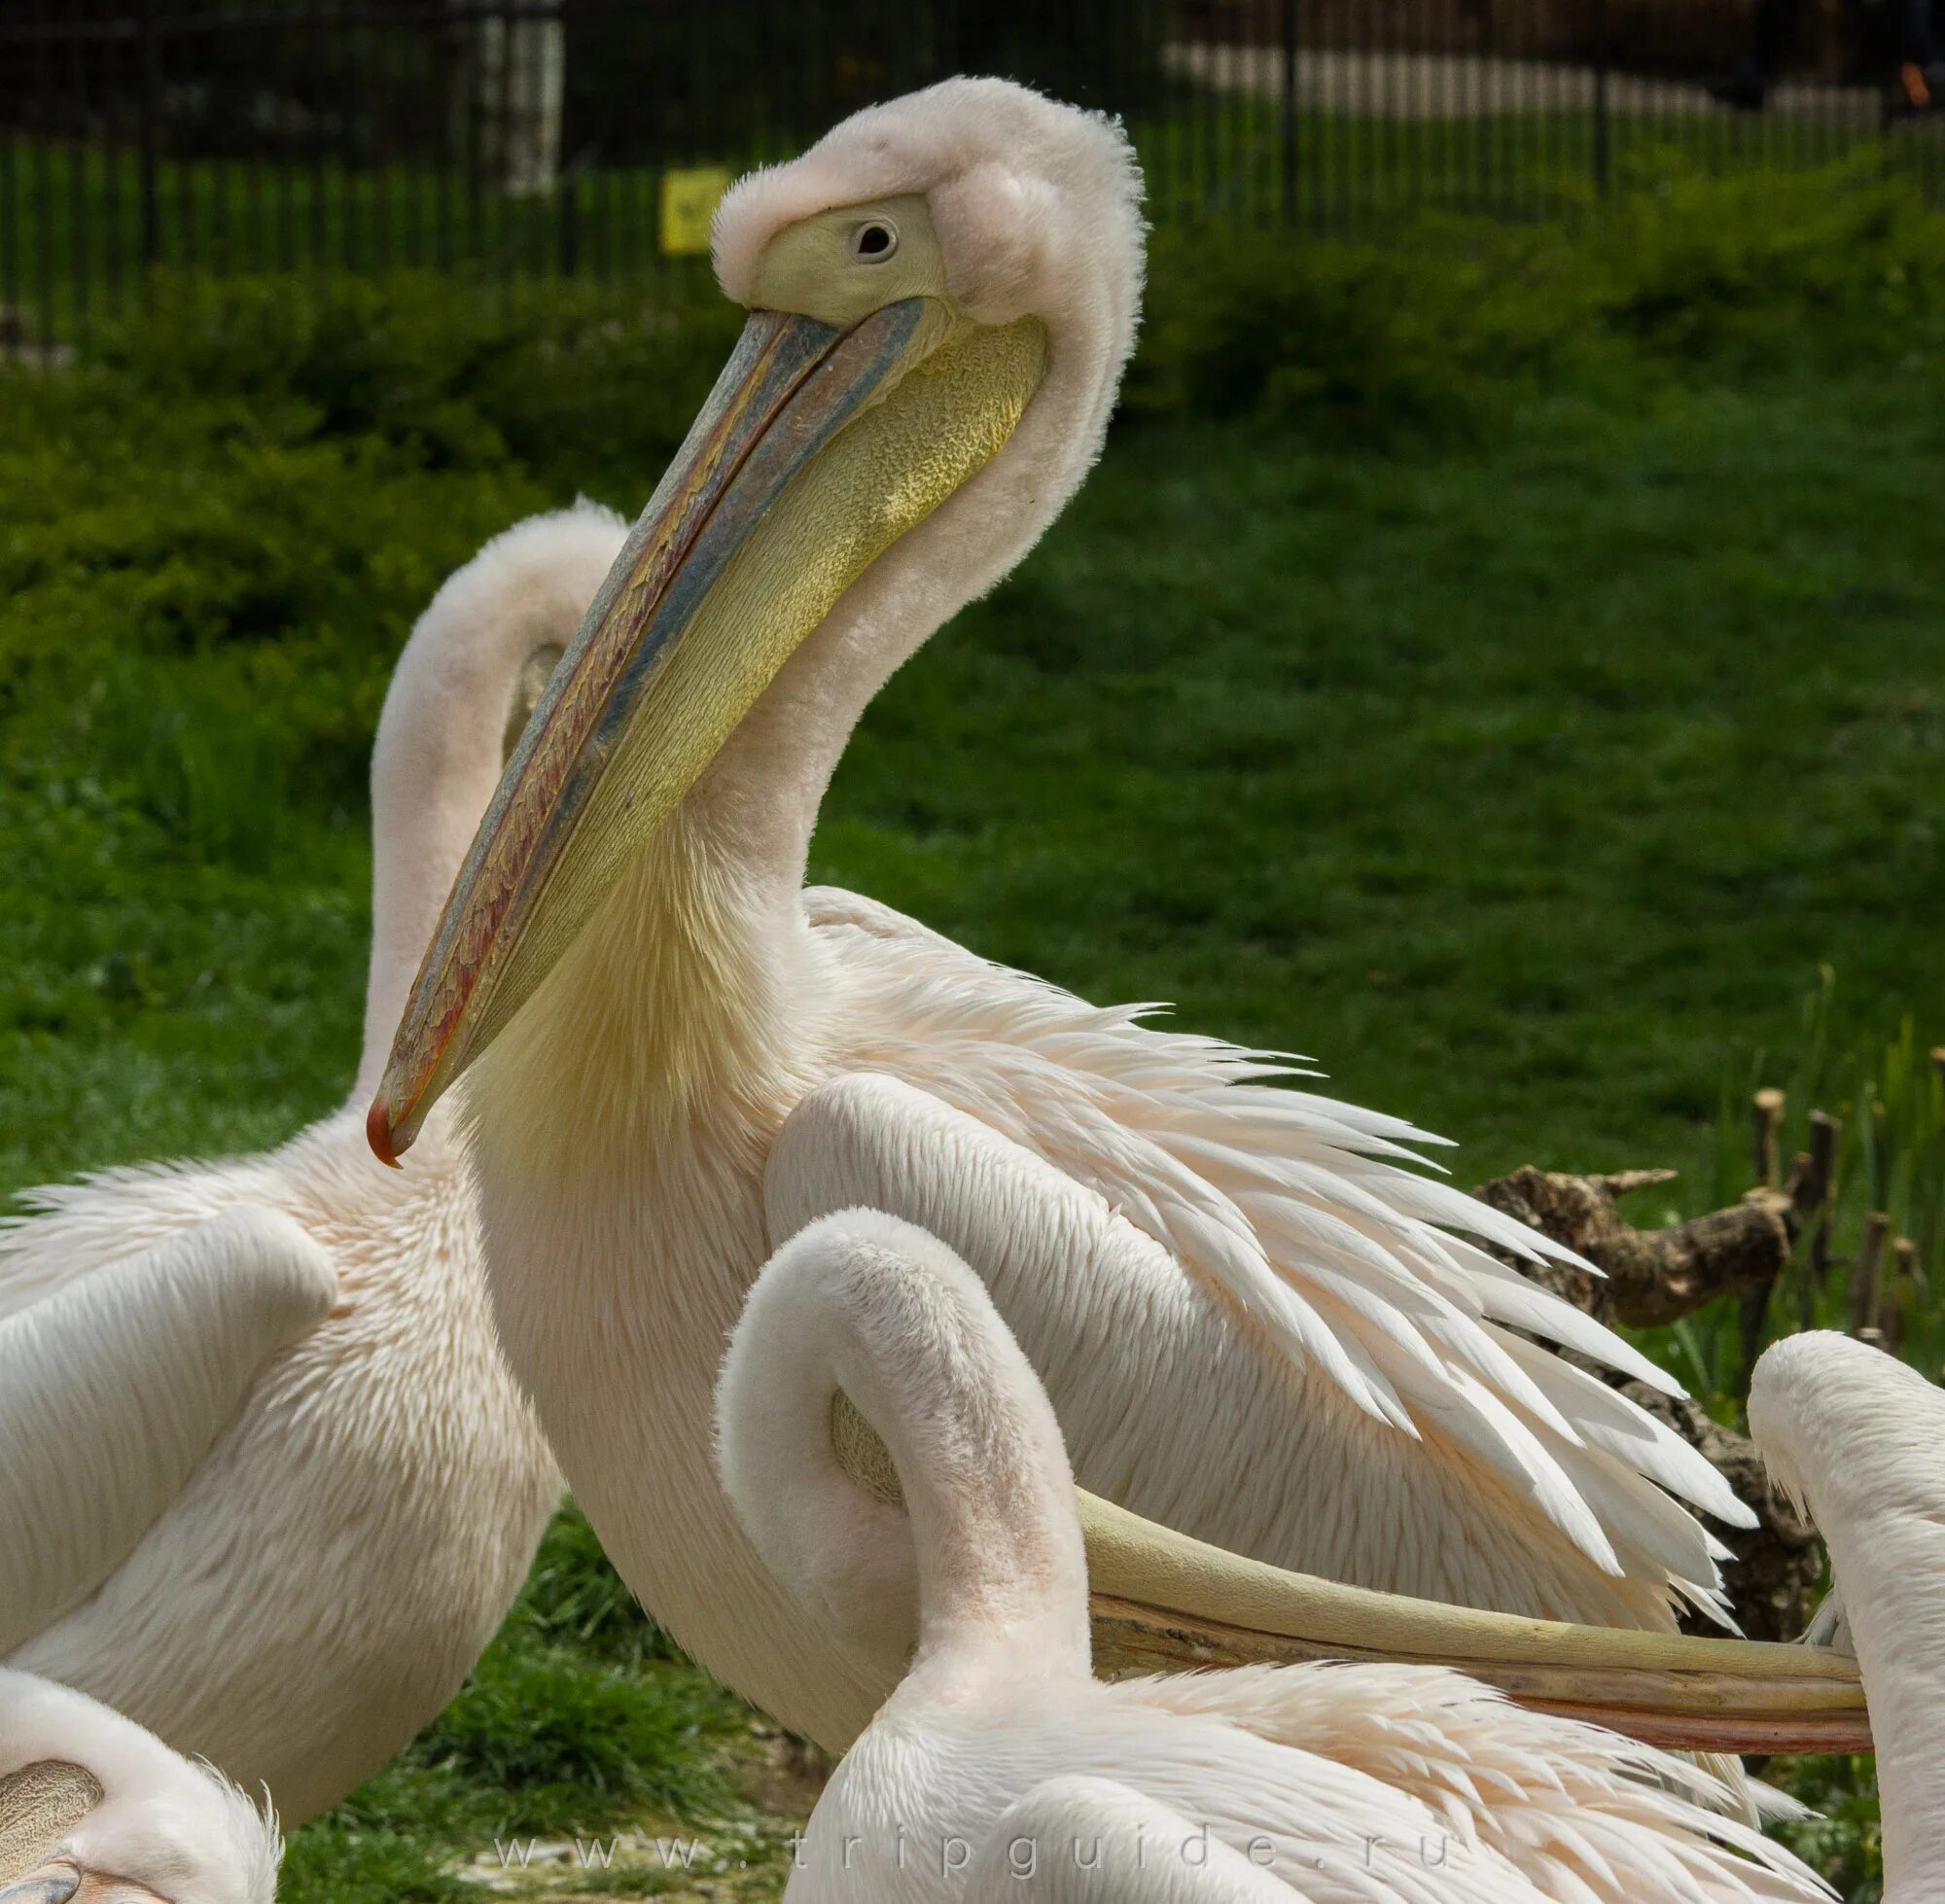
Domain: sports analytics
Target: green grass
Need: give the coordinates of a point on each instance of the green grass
(581, 1721)
(1528, 787)
(1525, 786)
(1517, 700)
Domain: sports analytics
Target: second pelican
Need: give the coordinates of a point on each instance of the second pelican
(268, 1487)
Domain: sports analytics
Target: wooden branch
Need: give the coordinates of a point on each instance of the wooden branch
(1778, 1568)
(1652, 1276)
(1657, 1275)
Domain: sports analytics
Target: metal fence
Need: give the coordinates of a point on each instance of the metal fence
(519, 139)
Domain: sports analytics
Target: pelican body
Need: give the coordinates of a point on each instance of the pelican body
(999, 1766)
(95, 1810)
(271, 1484)
(1259, 1323)
(1859, 1439)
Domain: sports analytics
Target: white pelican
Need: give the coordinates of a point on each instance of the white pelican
(1858, 1438)
(280, 1483)
(1255, 1323)
(1333, 1783)
(97, 1811)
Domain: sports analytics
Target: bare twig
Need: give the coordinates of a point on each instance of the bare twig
(1825, 1132)
(1807, 1191)
(1768, 1107)
(1897, 1296)
(1865, 1277)
(1825, 1138)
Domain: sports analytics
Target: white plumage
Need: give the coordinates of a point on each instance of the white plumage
(95, 1810)
(1332, 1782)
(1257, 1321)
(268, 1484)
(1101, 1832)
(1858, 1438)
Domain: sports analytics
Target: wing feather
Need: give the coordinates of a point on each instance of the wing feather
(1073, 1838)
(1631, 1435)
(1302, 1210)
(114, 1385)
(1580, 1813)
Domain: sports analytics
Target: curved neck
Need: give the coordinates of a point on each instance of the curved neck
(695, 985)
(870, 1309)
(1888, 1552)
(761, 795)
(1855, 1433)
(443, 734)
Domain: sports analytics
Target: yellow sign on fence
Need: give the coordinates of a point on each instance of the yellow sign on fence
(689, 198)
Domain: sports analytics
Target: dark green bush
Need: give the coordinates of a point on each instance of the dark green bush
(583, 384)
(273, 475)
(1446, 321)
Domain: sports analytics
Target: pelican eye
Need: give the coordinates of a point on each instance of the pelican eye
(875, 240)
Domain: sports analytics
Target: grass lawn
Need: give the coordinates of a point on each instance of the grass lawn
(1525, 776)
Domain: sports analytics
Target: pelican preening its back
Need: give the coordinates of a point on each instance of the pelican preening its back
(95, 1810)
(1334, 1782)
(1858, 1438)
(269, 1486)
(1256, 1323)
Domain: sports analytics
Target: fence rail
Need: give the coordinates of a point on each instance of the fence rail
(520, 139)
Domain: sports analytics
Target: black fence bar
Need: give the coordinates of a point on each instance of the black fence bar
(521, 140)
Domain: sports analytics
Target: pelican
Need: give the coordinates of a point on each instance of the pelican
(280, 1484)
(1260, 1325)
(95, 1810)
(1333, 1783)
(1858, 1438)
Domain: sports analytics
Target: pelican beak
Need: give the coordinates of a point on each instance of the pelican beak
(51, 1883)
(64, 1883)
(40, 1804)
(819, 446)
(1163, 1602)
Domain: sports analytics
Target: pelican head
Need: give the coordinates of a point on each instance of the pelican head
(93, 1810)
(942, 294)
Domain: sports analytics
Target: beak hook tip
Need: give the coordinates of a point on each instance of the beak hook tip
(378, 1133)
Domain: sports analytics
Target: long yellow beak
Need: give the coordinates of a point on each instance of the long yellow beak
(1163, 1602)
(549, 847)
(818, 448)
